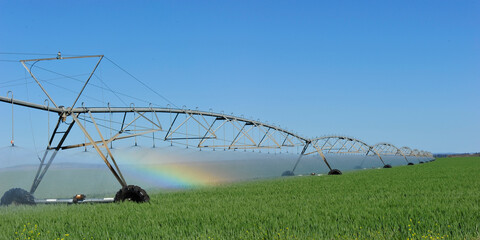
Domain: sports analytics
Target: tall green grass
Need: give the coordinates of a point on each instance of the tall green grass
(439, 199)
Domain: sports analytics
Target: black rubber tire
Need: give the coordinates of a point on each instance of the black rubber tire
(335, 172)
(421, 162)
(17, 196)
(132, 193)
(387, 166)
(410, 163)
(288, 174)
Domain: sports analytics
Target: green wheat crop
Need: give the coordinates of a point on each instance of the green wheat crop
(438, 200)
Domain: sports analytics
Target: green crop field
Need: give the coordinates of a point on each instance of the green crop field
(439, 200)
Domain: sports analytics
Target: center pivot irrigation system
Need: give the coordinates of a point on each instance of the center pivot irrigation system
(177, 126)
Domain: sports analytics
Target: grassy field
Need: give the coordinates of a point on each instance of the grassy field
(433, 200)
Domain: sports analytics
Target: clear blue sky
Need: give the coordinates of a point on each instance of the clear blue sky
(405, 72)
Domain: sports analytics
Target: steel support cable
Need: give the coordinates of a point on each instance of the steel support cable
(138, 80)
(13, 53)
(14, 80)
(31, 66)
(21, 83)
(94, 85)
(69, 90)
(109, 89)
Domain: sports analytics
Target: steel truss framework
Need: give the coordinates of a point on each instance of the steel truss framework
(389, 149)
(415, 152)
(338, 145)
(190, 128)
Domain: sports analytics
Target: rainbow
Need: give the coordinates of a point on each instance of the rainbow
(156, 169)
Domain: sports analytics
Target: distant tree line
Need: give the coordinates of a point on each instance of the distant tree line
(440, 155)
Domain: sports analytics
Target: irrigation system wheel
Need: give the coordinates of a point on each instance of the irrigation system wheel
(387, 166)
(335, 172)
(287, 173)
(17, 196)
(132, 193)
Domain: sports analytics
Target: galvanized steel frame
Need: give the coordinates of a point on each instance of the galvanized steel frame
(209, 125)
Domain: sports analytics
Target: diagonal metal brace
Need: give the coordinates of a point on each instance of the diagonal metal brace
(43, 168)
